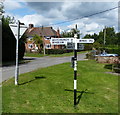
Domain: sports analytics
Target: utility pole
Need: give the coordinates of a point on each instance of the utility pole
(104, 35)
(43, 41)
(104, 39)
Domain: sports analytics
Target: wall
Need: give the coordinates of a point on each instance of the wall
(106, 59)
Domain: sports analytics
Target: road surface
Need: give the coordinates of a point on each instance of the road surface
(9, 71)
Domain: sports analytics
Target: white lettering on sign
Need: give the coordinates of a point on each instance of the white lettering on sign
(61, 41)
(85, 40)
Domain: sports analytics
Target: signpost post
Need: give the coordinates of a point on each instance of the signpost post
(18, 32)
(75, 70)
(75, 44)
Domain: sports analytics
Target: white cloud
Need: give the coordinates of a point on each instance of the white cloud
(12, 5)
(93, 26)
(49, 13)
(37, 20)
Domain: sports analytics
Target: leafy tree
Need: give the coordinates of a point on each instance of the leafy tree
(9, 42)
(66, 34)
(38, 41)
(117, 39)
(72, 32)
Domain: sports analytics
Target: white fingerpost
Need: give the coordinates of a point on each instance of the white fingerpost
(18, 31)
(17, 43)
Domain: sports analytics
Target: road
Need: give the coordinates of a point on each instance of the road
(35, 63)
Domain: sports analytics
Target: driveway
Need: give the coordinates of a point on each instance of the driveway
(35, 63)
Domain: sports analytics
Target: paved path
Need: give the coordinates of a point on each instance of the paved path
(9, 71)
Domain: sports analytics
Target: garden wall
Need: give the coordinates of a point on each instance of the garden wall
(106, 59)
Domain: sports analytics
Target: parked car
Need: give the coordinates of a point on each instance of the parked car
(106, 54)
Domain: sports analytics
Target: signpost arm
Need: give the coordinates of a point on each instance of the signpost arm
(17, 44)
(75, 71)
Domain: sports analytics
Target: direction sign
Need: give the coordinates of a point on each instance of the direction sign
(80, 46)
(85, 40)
(70, 45)
(14, 28)
(60, 41)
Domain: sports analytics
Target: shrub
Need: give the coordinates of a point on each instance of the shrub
(57, 51)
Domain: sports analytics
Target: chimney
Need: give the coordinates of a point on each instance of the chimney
(58, 33)
(31, 26)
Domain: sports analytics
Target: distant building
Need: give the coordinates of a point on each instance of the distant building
(46, 33)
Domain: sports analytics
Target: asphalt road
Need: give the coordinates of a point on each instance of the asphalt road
(9, 71)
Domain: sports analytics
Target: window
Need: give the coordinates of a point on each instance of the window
(48, 46)
(47, 38)
(30, 38)
(30, 46)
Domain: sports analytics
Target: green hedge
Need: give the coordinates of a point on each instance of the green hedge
(113, 51)
(57, 51)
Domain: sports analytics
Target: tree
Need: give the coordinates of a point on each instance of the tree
(38, 41)
(117, 38)
(1, 8)
(72, 32)
(9, 42)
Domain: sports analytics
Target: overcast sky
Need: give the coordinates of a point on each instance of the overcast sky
(48, 13)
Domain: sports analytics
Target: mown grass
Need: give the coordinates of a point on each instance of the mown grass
(49, 90)
(33, 55)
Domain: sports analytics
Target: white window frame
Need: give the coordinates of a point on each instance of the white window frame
(47, 46)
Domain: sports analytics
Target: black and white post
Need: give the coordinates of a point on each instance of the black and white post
(17, 62)
(75, 70)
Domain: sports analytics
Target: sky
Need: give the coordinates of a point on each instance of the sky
(51, 13)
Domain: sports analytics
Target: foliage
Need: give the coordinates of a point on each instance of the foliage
(57, 51)
(111, 37)
(96, 45)
(38, 41)
(114, 51)
(9, 42)
(71, 33)
(88, 47)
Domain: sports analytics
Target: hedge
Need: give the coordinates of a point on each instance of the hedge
(113, 51)
(57, 51)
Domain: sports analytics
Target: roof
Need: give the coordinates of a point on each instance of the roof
(41, 31)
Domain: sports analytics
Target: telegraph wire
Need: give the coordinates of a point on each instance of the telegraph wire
(84, 16)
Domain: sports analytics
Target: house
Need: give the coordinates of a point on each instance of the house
(46, 33)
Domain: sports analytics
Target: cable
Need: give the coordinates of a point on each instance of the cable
(85, 16)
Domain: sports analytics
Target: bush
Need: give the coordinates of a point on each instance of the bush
(9, 43)
(88, 47)
(57, 51)
(113, 51)
(90, 55)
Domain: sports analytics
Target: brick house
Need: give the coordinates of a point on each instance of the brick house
(46, 33)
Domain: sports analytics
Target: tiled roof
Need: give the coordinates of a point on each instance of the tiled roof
(41, 31)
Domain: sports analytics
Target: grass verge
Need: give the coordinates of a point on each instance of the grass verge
(49, 90)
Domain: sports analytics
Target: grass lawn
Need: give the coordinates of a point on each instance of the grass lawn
(49, 90)
(52, 55)
(34, 55)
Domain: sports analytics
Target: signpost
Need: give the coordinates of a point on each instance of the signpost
(70, 45)
(61, 41)
(85, 41)
(75, 44)
(18, 31)
(80, 46)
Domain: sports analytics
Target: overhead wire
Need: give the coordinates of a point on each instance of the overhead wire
(83, 16)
